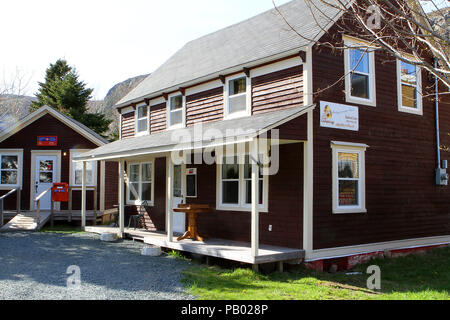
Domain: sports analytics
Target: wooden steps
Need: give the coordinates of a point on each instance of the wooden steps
(26, 221)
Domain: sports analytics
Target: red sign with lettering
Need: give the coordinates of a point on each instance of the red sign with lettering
(47, 141)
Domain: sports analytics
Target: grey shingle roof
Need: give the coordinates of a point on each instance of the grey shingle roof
(257, 38)
(235, 130)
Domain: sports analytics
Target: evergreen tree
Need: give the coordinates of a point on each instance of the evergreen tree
(63, 91)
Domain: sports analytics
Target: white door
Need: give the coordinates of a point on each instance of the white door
(45, 176)
(179, 218)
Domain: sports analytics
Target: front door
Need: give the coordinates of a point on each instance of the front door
(45, 176)
(179, 219)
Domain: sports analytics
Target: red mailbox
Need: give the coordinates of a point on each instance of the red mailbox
(60, 192)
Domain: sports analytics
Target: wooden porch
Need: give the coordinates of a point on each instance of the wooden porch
(219, 248)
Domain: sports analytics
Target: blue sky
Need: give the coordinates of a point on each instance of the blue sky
(108, 41)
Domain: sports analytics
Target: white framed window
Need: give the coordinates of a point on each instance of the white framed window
(349, 181)
(11, 168)
(142, 119)
(176, 111)
(359, 61)
(237, 97)
(409, 85)
(140, 183)
(76, 174)
(234, 184)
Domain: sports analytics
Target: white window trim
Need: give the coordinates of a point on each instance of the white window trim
(139, 202)
(136, 117)
(19, 154)
(169, 112)
(248, 111)
(74, 152)
(351, 148)
(350, 42)
(401, 108)
(242, 206)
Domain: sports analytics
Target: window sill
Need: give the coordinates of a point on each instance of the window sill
(240, 209)
(366, 102)
(349, 211)
(140, 134)
(237, 115)
(418, 112)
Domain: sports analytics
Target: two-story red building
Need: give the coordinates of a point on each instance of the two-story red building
(239, 120)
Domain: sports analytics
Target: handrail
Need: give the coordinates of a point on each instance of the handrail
(2, 198)
(38, 205)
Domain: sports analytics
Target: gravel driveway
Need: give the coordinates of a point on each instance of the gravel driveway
(33, 266)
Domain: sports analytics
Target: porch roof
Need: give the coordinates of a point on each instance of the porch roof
(230, 131)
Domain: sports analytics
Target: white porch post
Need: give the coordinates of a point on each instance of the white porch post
(83, 196)
(169, 215)
(121, 197)
(255, 197)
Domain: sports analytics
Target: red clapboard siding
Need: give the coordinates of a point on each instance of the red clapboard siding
(402, 200)
(205, 106)
(157, 118)
(128, 125)
(277, 90)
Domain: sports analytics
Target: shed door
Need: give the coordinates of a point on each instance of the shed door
(45, 176)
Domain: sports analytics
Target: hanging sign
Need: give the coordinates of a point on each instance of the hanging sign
(47, 141)
(339, 116)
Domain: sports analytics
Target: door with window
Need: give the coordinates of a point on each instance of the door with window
(179, 218)
(44, 178)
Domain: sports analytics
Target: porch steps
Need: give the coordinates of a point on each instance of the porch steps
(26, 221)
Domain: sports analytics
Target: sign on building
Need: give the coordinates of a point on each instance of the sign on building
(339, 116)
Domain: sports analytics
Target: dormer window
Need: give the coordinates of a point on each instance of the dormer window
(142, 124)
(176, 111)
(237, 97)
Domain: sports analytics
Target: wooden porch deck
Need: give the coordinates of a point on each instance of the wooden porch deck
(220, 248)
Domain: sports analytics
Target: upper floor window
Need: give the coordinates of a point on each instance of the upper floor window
(176, 112)
(142, 124)
(237, 97)
(359, 73)
(409, 87)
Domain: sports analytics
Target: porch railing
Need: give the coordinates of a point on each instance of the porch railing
(38, 205)
(2, 199)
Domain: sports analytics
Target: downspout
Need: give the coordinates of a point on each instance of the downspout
(436, 104)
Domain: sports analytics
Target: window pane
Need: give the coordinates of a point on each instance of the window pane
(176, 117)
(176, 102)
(248, 167)
(9, 177)
(146, 191)
(45, 177)
(360, 85)
(359, 60)
(248, 191)
(142, 125)
(409, 73)
(147, 172)
(230, 169)
(134, 172)
(230, 192)
(134, 189)
(46, 165)
(348, 165)
(177, 181)
(79, 175)
(409, 95)
(10, 162)
(142, 112)
(238, 86)
(348, 193)
(238, 103)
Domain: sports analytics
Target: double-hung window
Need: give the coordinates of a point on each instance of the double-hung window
(142, 116)
(348, 177)
(77, 170)
(140, 184)
(359, 73)
(235, 184)
(237, 97)
(176, 111)
(10, 169)
(409, 88)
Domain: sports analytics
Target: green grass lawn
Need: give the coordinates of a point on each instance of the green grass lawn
(415, 277)
(62, 228)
